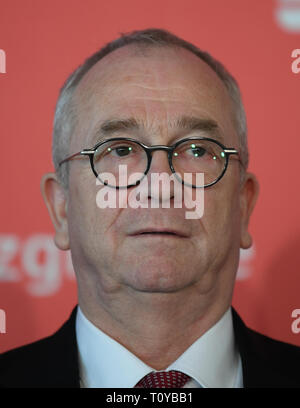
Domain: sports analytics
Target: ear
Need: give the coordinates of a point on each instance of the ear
(55, 198)
(248, 196)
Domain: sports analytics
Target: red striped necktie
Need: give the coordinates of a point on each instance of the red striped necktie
(163, 379)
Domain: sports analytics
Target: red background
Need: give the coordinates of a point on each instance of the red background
(44, 41)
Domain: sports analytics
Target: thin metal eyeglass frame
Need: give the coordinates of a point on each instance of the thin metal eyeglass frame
(149, 149)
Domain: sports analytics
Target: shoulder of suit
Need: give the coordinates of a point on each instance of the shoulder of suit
(267, 356)
(260, 343)
(38, 363)
(267, 346)
(26, 352)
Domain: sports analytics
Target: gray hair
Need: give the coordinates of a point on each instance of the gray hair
(65, 113)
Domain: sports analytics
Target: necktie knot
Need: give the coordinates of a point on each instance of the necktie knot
(163, 379)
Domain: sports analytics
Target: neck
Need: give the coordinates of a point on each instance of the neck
(156, 327)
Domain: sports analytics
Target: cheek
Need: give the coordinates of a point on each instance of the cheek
(221, 210)
(98, 225)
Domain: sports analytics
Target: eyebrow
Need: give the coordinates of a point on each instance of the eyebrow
(188, 123)
(115, 125)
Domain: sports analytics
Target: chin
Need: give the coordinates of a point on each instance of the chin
(161, 280)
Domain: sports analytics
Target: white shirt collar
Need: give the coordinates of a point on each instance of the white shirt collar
(212, 361)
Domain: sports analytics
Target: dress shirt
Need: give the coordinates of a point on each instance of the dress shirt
(212, 361)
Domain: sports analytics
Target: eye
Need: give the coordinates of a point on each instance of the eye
(197, 151)
(115, 150)
(120, 151)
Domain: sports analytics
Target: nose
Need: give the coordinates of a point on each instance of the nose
(160, 184)
(160, 162)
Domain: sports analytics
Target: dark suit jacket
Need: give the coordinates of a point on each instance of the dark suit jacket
(53, 361)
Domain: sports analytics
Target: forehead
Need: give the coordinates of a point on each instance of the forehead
(155, 86)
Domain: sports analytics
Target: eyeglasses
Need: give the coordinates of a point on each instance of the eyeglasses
(191, 155)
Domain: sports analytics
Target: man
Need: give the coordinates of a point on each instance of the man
(154, 287)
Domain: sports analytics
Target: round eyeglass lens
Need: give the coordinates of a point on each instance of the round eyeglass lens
(120, 163)
(197, 156)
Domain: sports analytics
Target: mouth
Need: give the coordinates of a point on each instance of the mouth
(160, 233)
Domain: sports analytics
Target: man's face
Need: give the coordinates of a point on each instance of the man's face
(155, 88)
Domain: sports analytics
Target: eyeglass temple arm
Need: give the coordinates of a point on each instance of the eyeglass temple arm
(83, 152)
(234, 151)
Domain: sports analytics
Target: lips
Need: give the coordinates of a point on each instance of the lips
(160, 231)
